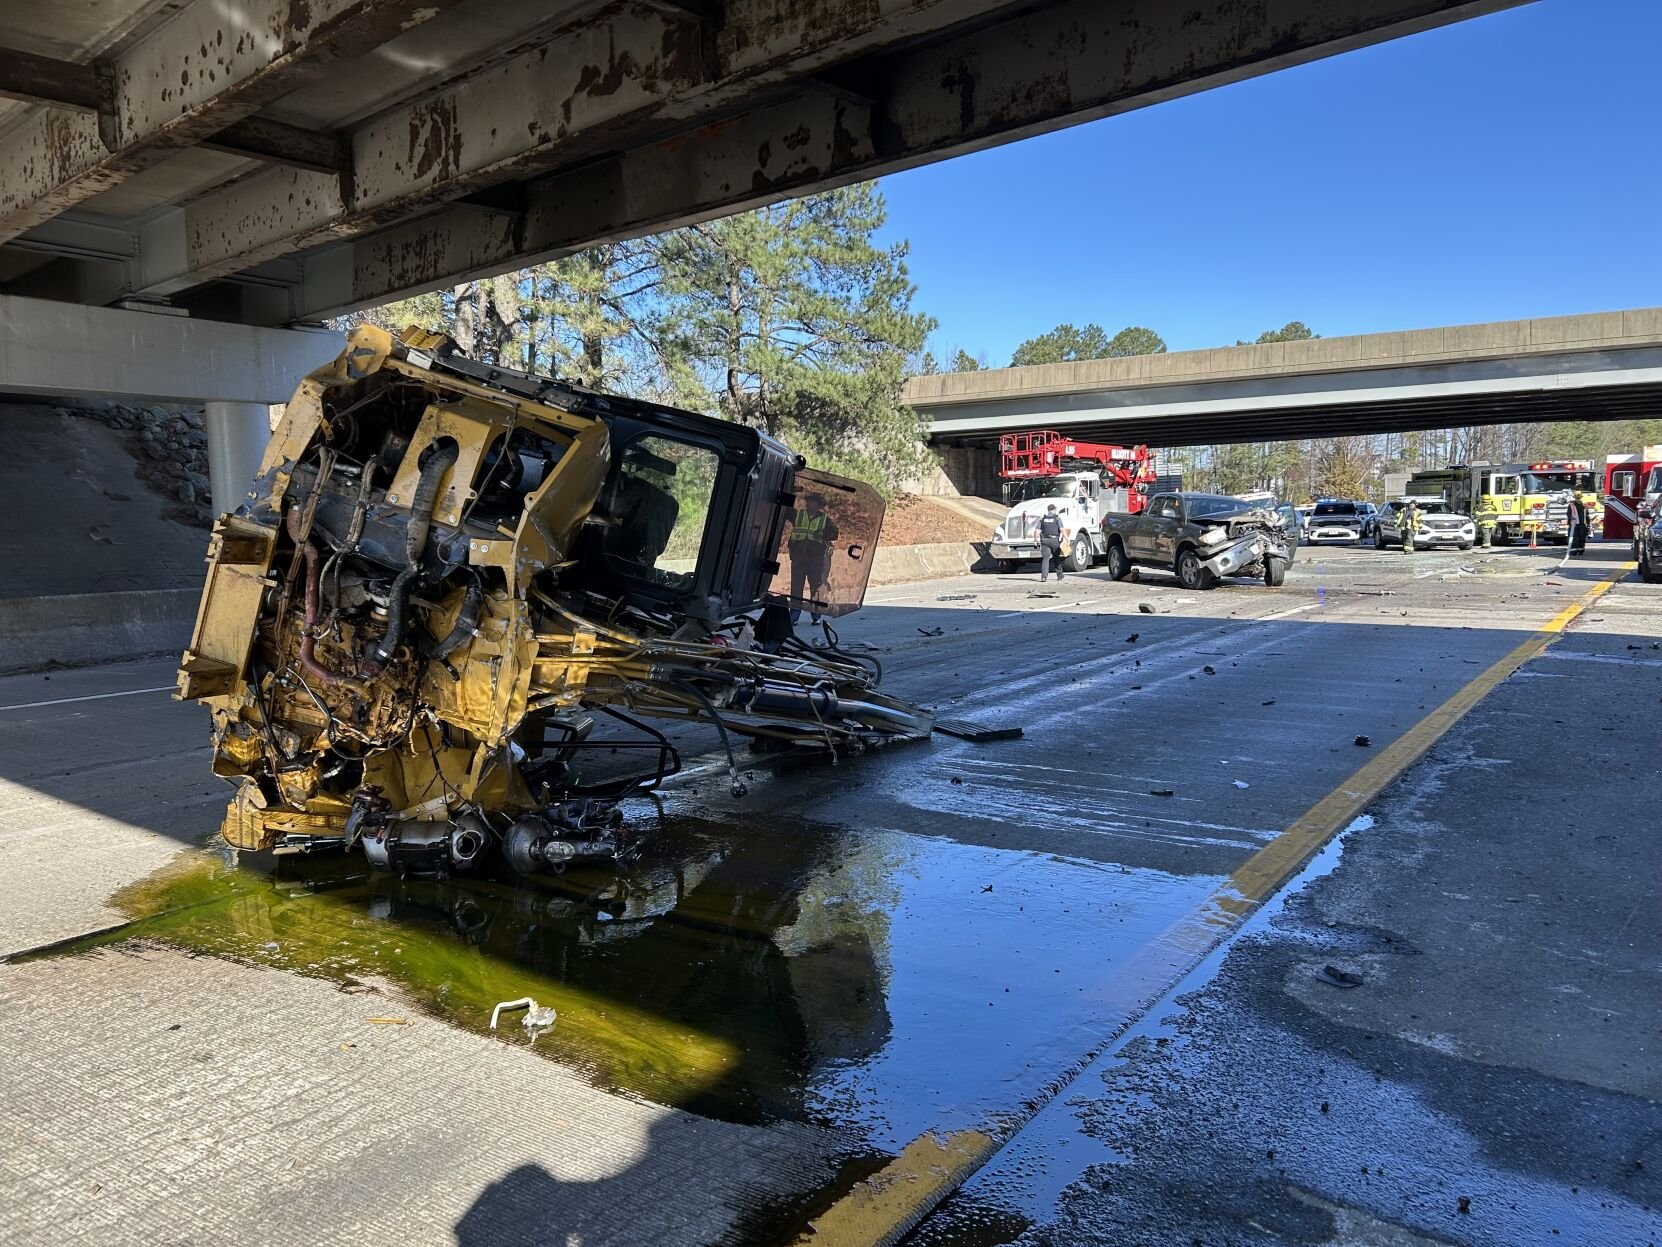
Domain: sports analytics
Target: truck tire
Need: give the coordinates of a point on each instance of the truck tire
(1379, 542)
(1119, 567)
(1081, 556)
(1649, 572)
(1275, 572)
(1191, 574)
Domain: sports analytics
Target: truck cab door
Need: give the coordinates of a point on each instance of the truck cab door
(1160, 528)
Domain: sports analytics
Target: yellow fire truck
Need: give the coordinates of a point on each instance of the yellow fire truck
(1515, 500)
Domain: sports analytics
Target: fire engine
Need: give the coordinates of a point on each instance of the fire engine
(1628, 480)
(1086, 480)
(1512, 500)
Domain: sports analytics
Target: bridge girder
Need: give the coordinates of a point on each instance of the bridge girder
(611, 118)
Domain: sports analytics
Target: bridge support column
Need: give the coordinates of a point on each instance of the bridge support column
(964, 471)
(237, 435)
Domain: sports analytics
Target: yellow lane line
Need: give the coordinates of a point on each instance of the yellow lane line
(881, 1210)
(1265, 870)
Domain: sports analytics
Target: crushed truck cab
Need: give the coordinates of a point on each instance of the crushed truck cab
(447, 573)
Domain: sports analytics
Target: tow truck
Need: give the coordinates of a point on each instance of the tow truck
(1508, 501)
(1088, 481)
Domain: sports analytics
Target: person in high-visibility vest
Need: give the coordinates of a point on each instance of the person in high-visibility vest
(812, 533)
(1410, 523)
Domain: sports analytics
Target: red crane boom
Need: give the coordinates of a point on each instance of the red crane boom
(1045, 452)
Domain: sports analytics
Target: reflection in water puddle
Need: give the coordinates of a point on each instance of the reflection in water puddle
(874, 979)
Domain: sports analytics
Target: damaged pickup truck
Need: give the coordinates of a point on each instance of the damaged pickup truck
(446, 574)
(1202, 538)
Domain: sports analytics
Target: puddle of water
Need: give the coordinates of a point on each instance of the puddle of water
(1024, 1185)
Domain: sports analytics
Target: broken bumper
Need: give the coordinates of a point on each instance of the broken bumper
(1242, 553)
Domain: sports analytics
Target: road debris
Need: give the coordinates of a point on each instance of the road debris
(1335, 977)
(1362, 742)
(1147, 608)
(1270, 702)
(537, 1017)
(968, 729)
(956, 597)
(1162, 792)
(1209, 669)
(931, 631)
(388, 1021)
(1241, 783)
(1132, 639)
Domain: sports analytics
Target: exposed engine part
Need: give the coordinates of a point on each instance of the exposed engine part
(562, 835)
(425, 847)
(446, 570)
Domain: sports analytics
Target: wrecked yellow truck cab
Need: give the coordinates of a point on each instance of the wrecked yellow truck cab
(445, 572)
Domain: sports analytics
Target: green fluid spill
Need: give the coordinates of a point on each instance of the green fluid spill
(686, 982)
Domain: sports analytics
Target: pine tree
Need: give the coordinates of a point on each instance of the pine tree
(795, 320)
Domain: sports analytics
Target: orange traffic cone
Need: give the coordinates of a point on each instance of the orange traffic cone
(1532, 533)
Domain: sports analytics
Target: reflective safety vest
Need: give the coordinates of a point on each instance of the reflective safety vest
(806, 526)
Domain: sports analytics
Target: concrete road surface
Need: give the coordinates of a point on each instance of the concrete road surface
(795, 984)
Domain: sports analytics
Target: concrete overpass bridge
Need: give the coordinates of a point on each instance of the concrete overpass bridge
(1605, 366)
(271, 162)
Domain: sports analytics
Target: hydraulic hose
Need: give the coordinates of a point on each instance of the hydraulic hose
(436, 460)
(308, 642)
(439, 458)
(467, 622)
(398, 614)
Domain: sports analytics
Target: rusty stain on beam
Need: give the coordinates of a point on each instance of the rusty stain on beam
(590, 90)
(199, 73)
(1067, 63)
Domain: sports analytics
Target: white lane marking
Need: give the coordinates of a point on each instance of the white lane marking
(1039, 610)
(64, 701)
(1294, 611)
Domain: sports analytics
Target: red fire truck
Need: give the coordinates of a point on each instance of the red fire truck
(1628, 479)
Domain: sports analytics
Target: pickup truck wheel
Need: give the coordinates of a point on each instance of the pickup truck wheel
(1119, 567)
(1081, 557)
(1191, 574)
(1275, 572)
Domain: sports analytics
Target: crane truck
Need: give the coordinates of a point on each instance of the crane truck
(1088, 481)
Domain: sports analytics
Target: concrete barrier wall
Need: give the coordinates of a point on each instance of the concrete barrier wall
(78, 628)
(899, 564)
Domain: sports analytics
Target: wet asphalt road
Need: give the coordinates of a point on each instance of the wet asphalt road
(935, 935)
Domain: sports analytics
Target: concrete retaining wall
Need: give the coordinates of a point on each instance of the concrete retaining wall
(77, 628)
(899, 564)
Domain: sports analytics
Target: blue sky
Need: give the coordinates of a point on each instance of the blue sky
(1505, 167)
